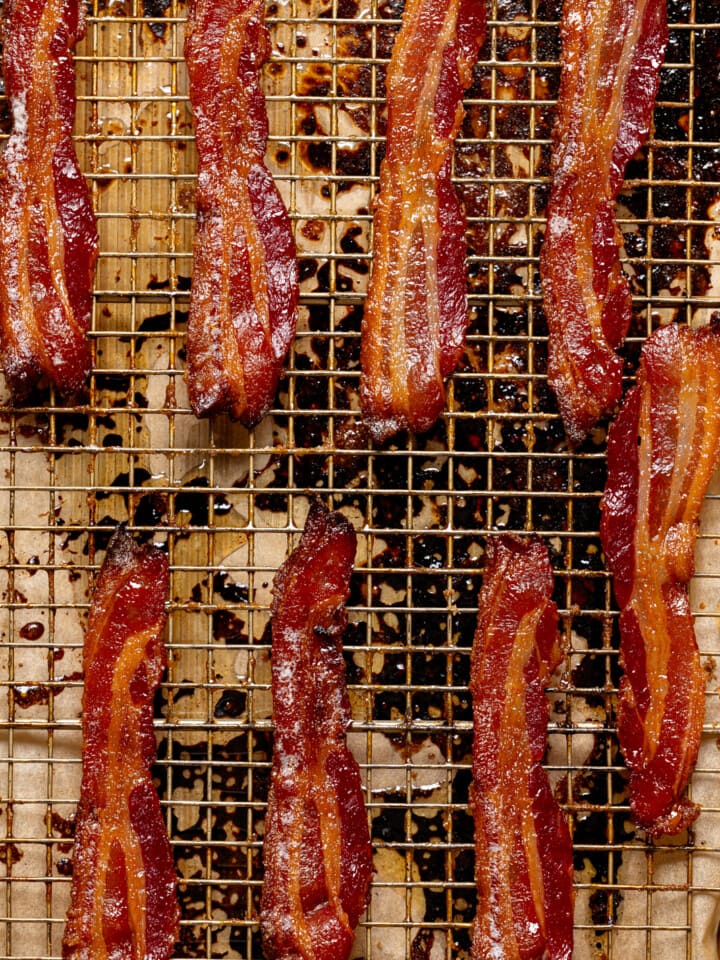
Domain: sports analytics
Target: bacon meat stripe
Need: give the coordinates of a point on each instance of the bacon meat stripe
(611, 57)
(523, 850)
(243, 306)
(662, 451)
(415, 318)
(123, 902)
(48, 241)
(317, 852)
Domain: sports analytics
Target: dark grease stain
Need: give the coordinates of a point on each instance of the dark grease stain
(154, 10)
(228, 589)
(232, 703)
(30, 695)
(32, 631)
(229, 629)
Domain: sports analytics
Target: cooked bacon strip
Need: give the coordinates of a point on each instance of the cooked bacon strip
(662, 451)
(317, 853)
(123, 903)
(413, 331)
(611, 55)
(523, 851)
(245, 284)
(48, 241)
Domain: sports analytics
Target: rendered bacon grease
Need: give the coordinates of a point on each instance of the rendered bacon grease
(317, 852)
(523, 850)
(415, 317)
(123, 903)
(611, 57)
(662, 451)
(48, 241)
(243, 306)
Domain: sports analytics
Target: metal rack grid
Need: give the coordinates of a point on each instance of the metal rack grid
(228, 503)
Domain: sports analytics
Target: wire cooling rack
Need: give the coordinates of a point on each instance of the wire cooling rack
(228, 503)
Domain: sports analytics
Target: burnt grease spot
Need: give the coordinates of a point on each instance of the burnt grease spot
(32, 631)
(154, 10)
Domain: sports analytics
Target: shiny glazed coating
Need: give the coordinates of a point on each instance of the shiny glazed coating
(611, 57)
(415, 318)
(662, 451)
(48, 241)
(243, 305)
(523, 850)
(123, 903)
(317, 853)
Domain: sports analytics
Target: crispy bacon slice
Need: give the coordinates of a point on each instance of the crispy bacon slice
(415, 319)
(523, 851)
(123, 902)
(611, 55)
(662, 451)
(243, 307)
(317, 853)
(48, 241)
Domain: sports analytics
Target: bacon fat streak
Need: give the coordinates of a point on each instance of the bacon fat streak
(123, 902)
(523, 850)
(611, 55)
(317, 852)
(48, 241)
(243, 306)
(415, 318)
(662, 451)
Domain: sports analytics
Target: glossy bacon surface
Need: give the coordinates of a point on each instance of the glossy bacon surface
(415, 317)
(523, 851)
(48, 241)
(611, 56)
(317, 853)
(123, 903)
(662, 451)
(243, 304)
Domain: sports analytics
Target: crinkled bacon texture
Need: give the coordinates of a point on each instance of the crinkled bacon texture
(123, 901)
(662, 451)
(48, 241)
(317, 852)
(611, 57)
(415, 318)
(523, 850)
(243, 306)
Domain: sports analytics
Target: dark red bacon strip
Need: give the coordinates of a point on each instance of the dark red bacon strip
(245, 286)
(523, 851)
(662, 451)
(317, 853)
(48, 241)
(415, 318)
(123, 903)
(611, 57)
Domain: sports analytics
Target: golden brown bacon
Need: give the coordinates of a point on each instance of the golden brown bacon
(123, 904)
(244, 286)
(317, 853)
(662, 451)
(611, 54)
(48, 241)
(415, 318)
(524, 862)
